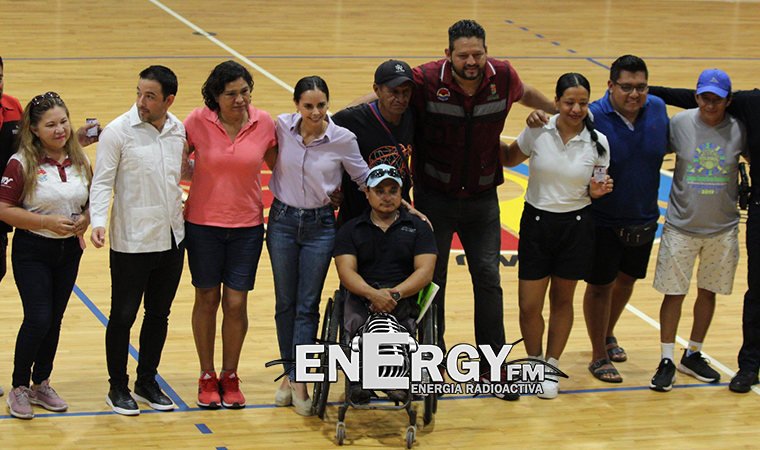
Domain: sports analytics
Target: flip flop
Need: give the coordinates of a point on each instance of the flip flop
(617, 353)
(595, 370)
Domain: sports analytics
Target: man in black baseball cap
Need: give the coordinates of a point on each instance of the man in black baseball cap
(384, 130)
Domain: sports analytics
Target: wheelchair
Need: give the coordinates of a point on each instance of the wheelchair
(332, 330)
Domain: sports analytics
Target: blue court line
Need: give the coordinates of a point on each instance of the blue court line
(592, 60)
(541, 37)
(203, 428)
(445, 397)
(181, 405)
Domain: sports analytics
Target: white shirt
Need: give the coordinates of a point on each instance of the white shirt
(560, 173)
(61, 189)
(143, 168)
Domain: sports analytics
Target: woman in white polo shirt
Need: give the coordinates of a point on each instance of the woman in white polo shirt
(556, 229)
(44, 194)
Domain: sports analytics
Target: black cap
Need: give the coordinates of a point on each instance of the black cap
(392, 73)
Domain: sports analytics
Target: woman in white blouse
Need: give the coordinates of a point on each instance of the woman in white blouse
(556, 229)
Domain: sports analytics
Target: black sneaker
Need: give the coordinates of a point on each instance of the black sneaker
(698, 367)
(743, 381)
(397, 395)
(149, 392)
(665, 377)
(122, 403)
(506, 394)
(359, 395)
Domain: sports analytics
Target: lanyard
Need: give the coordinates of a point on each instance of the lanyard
(398, 146)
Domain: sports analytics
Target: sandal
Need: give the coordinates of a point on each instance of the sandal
(616, 353)
(595, 370)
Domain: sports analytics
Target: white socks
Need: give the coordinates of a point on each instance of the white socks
(694, 347)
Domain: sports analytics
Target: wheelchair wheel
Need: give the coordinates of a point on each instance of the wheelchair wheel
(322, 389)
(430, 337)
(330, 327)
(410, 434)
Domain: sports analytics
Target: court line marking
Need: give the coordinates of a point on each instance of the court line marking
(224, 46)
(338, 403)
(181, 405)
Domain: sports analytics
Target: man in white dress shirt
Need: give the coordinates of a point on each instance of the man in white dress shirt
(139, 158)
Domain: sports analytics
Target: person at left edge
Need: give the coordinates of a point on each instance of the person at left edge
(44, 195)
(10, 115)
(140, 158)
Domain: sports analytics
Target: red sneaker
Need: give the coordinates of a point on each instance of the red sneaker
(208, 391)
(230, 387)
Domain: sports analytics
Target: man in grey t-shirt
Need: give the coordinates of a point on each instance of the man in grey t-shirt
(702, 220)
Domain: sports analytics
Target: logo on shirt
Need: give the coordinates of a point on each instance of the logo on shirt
(709, 159)
(443, 94)
(41, 175)
(494, 95)
(6, 181)
(707, 172)
(408, 229)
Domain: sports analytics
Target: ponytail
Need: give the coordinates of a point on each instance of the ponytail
(600, 150)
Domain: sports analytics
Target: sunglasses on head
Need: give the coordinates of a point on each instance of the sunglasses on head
(382, 172)
(41, 98)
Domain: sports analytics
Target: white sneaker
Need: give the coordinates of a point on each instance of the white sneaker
(550, 385)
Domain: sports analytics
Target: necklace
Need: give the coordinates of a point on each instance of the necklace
(383, 227)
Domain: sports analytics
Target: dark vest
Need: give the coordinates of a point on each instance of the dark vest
(456, 149)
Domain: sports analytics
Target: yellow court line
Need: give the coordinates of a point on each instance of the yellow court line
(511, 210)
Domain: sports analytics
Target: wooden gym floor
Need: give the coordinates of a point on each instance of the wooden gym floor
(91, 51)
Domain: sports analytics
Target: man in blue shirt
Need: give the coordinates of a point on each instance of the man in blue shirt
(636, 126)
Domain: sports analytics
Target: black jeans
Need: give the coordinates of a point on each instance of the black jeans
(476, 220)
(749, 355)
(45, 270)
(156, 275)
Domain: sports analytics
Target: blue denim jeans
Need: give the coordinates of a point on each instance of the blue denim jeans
(476, 220)
(300, 244)
(45, 271)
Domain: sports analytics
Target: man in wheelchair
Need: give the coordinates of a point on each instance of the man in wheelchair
(384, 258)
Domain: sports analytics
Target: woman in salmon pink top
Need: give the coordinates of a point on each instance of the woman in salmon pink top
(225, 221)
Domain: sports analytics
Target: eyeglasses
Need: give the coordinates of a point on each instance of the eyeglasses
(382, 172)
(627, 88)
(41, 98)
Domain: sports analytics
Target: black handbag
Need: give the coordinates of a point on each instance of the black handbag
(636, 235)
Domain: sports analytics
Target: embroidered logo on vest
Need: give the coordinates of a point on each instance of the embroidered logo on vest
(443, 94)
